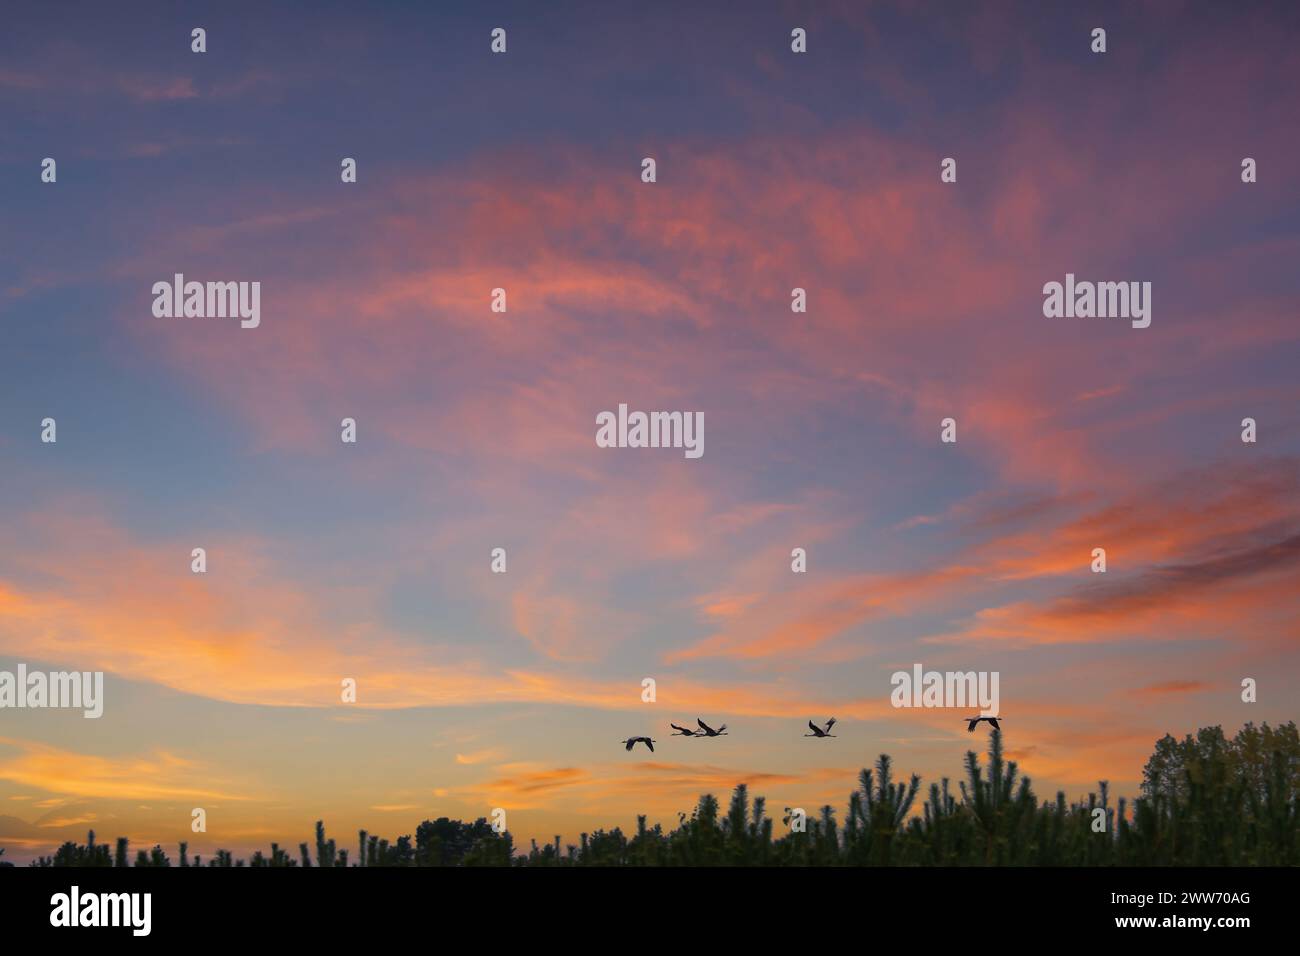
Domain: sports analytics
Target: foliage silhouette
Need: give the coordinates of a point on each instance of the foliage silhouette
(1207, 800)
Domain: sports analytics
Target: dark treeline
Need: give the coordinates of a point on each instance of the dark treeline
(1207, 800)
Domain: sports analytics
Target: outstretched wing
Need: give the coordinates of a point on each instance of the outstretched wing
(971, 726)
(829, 724)
(722, 728)
(814, 728)
(650, 743)
(705, 727)
(994, 722)
(685, 730)
(631, 743)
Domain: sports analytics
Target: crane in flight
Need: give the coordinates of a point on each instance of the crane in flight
(707, 731)
(685, 731)
(972, 722)
(819, 732)
(633, 741)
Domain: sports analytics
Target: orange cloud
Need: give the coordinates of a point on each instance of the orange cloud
(480, 756)
(160, 776)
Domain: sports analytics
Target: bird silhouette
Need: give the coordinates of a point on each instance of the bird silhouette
(972, 721)
(818, 732)
(633, 741)
(707, 731)
(685, 731)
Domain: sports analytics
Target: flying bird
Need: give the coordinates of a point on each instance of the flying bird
(633, 741)
(818, 732)
(972, 721)
(685, 731)
(707, 731)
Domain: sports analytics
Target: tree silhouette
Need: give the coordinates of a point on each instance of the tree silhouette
(876, 814)
(1205, 800)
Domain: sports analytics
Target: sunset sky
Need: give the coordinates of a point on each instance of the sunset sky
(476, 430)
